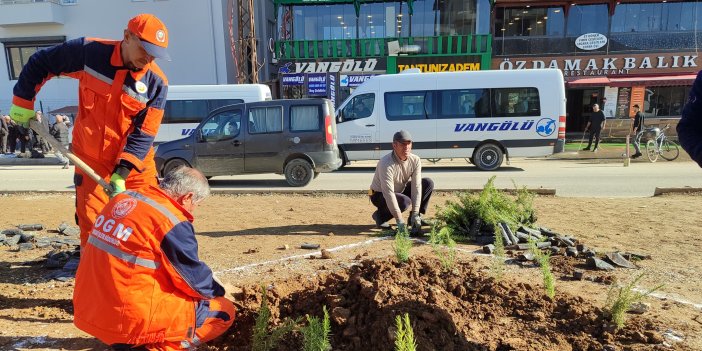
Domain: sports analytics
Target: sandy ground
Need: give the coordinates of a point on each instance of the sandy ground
(237, 233)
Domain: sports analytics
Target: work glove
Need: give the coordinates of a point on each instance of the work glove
(21, 115)
(415, 223)
(401, 226)
(118, 184)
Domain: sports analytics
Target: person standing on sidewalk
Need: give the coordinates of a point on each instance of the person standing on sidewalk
(690, 126)
(398, 184)
(60, 131)
(122, 95)
(636, 131)
(4, 133)
(595, 126)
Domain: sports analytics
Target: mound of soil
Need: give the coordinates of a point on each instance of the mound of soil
(464, 309)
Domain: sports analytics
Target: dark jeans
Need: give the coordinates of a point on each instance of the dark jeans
(404, 200)
(596, 134)
(3, 143)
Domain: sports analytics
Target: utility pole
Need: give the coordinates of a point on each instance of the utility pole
(246, 50)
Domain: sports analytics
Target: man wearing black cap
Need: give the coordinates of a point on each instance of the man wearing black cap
(398, 184)
(636, 130)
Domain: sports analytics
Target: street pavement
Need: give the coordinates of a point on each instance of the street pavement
(569, 177)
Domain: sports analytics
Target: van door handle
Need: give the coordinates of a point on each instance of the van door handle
(236, 143)
(370, 125)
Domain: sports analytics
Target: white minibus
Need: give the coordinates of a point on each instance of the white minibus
(482, 116)
(187, 105)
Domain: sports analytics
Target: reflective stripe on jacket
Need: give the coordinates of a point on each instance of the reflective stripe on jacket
(139, 276)
(119, 111)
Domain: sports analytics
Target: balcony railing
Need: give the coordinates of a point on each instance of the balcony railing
(618, 42)
(378, 47)
(19, 12)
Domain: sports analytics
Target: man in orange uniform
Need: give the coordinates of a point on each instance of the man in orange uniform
(122, 93)
(140, 284)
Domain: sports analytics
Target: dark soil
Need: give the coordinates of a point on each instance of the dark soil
(464, 309)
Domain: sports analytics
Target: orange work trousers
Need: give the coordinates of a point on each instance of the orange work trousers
(213, 318)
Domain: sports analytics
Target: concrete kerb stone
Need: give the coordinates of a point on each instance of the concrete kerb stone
(71, 189)
(683, 190)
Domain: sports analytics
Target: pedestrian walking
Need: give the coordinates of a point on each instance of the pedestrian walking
(595, 125)
(4, 133)
(60, 132)
(637, 131)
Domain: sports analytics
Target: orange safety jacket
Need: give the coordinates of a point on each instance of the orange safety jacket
(139, 276)
(119, 111)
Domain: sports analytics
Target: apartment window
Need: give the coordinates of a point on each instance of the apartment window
(18, 51)
(514, 22)
(588, 19)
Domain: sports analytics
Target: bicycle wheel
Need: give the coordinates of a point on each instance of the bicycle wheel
(670, 150)
(651, 151)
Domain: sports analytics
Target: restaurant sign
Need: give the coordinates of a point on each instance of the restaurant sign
(606, 65)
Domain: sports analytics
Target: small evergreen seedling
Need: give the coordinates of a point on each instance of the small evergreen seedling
(316, 334)
(444, 247)
(404, 336)
(544, 261)
(620, 299)
(402, 245)
(497, 268)
(262, 339)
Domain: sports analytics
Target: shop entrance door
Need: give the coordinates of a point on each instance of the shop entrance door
(579, 107)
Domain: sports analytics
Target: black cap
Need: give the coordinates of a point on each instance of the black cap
(402, 135)
(637, 106)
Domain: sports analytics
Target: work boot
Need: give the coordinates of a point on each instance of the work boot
(378, 223)
(586, 149)
(636, 155)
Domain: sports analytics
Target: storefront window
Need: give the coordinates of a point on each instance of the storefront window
(665, 101)
(655, 17)
(587, 19)
(384, 20)
(514, 22)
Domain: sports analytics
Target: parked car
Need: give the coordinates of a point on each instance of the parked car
(296, 138)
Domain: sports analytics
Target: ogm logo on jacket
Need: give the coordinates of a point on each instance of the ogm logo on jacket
(123, 208)
(109, 229)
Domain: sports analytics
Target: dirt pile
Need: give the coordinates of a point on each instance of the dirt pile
(464, 309)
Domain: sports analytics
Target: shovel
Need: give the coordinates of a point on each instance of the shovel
(39, 128)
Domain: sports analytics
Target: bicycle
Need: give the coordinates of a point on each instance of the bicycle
(659, 144)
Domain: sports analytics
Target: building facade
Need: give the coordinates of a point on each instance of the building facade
(199, 39)
(327, 48)
(613, 53)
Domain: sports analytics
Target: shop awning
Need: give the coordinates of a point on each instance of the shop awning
(588, 82)
(659, 81)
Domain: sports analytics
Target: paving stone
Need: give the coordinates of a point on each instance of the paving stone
(599, 264)
(31, 227)
(25, 247)
(578, 275)
(26, 237)
(42, 243)
(489, 249)
(618, 260)
(2, 238)
(12, 231)
(571, 252)
(71, 231)
(12, 240)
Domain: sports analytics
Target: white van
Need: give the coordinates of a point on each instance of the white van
(479, 115)
(187, 105)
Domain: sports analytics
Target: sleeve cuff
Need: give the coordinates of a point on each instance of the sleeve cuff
(18, 101)
(137, 163)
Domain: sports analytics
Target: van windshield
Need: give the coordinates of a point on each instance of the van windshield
(222, 126)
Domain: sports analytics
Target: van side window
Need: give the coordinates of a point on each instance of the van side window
(406, 105)
(193, 111)
(222, 126)
(185, 111)
(512, 102)
(265, 120)
(215, 104)
(305, 118)
(464, 103)
(360, 106)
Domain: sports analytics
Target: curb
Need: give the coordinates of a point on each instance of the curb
(539, 191)
(685, 190)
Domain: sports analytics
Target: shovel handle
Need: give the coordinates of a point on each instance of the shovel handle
(39, 128)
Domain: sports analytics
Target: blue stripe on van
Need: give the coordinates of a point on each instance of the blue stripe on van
(449, 144)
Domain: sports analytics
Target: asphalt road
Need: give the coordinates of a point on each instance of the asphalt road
(573, 178)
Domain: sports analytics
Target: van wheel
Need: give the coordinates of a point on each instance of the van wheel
(488, 157)
(173, 164)
(298, 172)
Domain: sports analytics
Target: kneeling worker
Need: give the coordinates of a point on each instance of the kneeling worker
(398, 183)
(140, 284)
